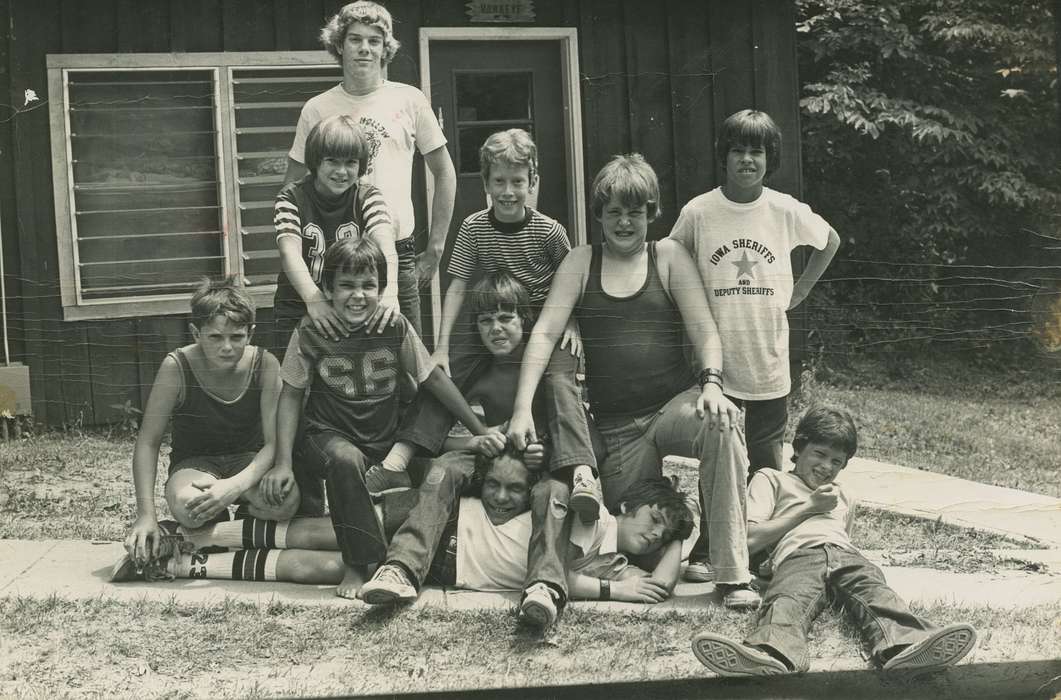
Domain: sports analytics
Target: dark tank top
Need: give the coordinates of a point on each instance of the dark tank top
(634, 346)
(205, 426)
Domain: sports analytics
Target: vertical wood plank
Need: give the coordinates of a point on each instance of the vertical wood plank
(247, 25)
(114, 367)
(143, 26)
(302, 22)
(195, 25)
(16, 312)
(85, 27)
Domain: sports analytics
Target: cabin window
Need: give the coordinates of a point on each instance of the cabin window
(156, 159)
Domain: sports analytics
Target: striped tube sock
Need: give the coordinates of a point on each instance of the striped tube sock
(249, 533)
(239, 565)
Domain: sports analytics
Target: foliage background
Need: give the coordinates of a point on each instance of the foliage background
(931, 144)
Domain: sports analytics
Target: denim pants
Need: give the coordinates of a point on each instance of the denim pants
(636, 448)
(808, 579)
(408, 282)
(428, 422)
(416, 544)
(342, 464)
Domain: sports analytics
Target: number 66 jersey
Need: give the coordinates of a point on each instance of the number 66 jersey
(355, 383)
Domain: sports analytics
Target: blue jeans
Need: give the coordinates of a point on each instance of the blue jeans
(330, 456)
(416, 544)
(808, 579)
(636, 447)
(408, 282)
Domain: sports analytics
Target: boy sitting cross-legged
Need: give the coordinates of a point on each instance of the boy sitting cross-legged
(221, 394)
(352, 411)
(482, 543)
(802, 516)
(512, 236)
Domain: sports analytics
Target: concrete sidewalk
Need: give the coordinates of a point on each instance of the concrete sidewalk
(74, 569)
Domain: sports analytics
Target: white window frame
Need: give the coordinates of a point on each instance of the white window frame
(566, 39)
(222, 65)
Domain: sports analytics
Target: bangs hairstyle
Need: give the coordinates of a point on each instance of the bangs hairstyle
(333, 34)
(752, 128)
(484, 463)
(825, 425)
(509, 147)
(354, 255)
(631, 180)
(338, 136)
(500, 291)
(222, 297)
(660, 492)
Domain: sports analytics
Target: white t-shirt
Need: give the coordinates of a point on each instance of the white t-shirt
(773, 494)
(742, 252)
(394, 118)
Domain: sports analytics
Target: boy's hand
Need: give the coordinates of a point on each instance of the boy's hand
(534, 456)
(720, 411)
(441, 359)
(276, 484)
(143, 540)
(489, 445)
(572, 336)
(521, 431)
(386, 312)
(215, 495)
(326, 320)
(426, 265)
(640, 589)
(824, 498)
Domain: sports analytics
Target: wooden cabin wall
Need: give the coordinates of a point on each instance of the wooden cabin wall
(656, 78)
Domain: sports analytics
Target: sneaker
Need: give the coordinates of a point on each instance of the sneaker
(944, 647)
(739, 596)
(170, 543)
(586, 495)
(728, 658)
(126, 570)
(380, 480)
(539, 606)
(390, 584)
(699, 572)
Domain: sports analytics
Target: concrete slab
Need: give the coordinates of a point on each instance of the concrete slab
(74, 569)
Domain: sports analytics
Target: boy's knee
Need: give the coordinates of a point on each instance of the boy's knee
(178, 506)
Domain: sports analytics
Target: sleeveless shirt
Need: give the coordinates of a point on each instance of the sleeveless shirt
(634, 346)
(206, 426)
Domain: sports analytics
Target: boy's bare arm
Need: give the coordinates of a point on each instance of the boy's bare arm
(817, 263)
(142, 542)
(669, 566)
(451, 308)
(439, 384)
(444, 175)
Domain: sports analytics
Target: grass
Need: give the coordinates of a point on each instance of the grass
(103, 648)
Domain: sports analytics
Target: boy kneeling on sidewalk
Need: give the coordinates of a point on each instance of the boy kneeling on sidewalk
(803, 516)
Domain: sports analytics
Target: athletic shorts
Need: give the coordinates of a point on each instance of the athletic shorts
(220, 466)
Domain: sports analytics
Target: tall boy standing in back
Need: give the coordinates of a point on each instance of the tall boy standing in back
(741, 235)
(396, 119)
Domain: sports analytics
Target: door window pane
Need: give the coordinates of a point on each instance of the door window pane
(489, 101)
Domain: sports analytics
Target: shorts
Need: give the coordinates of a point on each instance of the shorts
(219, 466)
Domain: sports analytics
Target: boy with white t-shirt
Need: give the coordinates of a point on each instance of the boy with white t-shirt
(741, 236)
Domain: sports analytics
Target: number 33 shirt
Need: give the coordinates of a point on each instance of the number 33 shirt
(356, 382)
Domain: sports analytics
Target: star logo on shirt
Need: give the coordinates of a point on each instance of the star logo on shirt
(744, 266)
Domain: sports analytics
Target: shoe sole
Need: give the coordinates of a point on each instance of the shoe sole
(945, 647)
(728, 658)
(124, 571)
(693, 577)
(393, 489)
(587, 507)
(382, 596)
(537, 614)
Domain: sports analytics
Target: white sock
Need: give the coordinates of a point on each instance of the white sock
(249, 533)
(240, 565)
(398, 458)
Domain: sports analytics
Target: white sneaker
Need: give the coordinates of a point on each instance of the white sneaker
(739, 596)
(390, 584)
(539, 605)
(586, 495)
(699, 572)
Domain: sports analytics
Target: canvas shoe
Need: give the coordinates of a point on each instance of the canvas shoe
(739, 596)
(586, 495)
(540, 605)
(699, 572)
(729, 658)
(380, 480)
(390, 584)
(170, 543)
(944, 647)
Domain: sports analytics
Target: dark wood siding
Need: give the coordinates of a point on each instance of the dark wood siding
(655, 78)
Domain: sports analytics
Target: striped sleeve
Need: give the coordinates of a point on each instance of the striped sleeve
(374, 212)
(286, 219)
(558, 245)
(464, 259)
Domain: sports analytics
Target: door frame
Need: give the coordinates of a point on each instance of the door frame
(566, 39)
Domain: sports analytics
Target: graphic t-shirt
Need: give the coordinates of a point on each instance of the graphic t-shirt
(773, 494)
(394, 118)
(742, 251)
(317, 222)
(355, 382)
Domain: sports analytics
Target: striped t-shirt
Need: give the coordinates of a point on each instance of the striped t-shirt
(530, 250)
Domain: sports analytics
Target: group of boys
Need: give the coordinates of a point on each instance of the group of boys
(359, 404)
